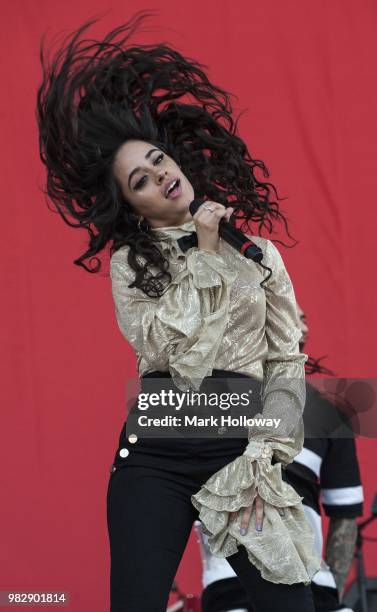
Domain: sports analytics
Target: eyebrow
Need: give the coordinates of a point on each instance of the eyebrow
(147, 156)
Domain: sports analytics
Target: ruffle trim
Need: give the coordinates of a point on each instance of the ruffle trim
(284, 550)
(208, 272)
(206, 269)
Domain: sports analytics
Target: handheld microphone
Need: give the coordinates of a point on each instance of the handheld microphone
(233, 236)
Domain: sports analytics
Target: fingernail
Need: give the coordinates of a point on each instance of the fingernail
(243, 531)
(259, 527)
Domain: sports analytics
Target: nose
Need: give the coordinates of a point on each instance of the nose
(161, 175)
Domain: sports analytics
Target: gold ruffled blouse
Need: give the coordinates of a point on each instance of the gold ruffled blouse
(215, 315)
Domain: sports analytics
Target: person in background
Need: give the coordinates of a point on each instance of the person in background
(327, 471)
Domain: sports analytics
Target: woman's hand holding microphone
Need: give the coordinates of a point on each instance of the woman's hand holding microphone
(206, 220)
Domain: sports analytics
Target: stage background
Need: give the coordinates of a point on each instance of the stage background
(305, 72)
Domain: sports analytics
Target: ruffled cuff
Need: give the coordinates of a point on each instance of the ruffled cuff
(284, 551)
(284, 447)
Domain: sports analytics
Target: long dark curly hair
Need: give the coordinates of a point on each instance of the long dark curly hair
(313, 366)
(96, 95)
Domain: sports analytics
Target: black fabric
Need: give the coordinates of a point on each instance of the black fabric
(306, 484)
(216, 373)
(339, 467)
(325, 598)
(150, 516)
(323, 418)
(186, 242)
(224, 595)
(350, 511)
(229, 594)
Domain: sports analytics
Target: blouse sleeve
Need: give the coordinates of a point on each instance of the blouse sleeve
(284, 389)
(284, 551)
(181, 331)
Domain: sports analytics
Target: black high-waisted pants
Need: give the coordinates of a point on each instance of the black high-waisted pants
(150, 516)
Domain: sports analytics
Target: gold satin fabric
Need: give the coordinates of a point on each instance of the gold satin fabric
(215, 315)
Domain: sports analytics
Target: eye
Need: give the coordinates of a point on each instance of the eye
(140, 183)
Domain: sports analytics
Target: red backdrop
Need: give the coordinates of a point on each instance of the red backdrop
(304, 71)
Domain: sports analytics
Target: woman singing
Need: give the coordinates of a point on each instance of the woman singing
(130, 135)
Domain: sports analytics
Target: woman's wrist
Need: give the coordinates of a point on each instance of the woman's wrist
(209, 246)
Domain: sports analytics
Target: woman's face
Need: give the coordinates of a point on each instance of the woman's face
(144, 173)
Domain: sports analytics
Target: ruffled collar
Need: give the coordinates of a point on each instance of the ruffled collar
(170, 234)
(175, 231)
